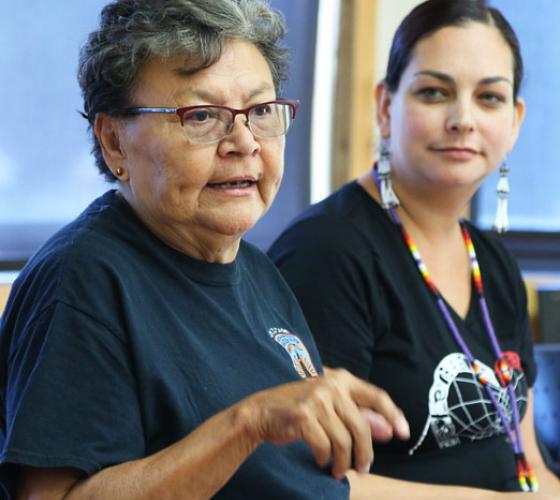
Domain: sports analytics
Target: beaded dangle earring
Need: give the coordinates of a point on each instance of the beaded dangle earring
(388, 197)
(501, 223)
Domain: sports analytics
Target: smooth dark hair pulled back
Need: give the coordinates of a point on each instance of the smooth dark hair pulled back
(432, 15)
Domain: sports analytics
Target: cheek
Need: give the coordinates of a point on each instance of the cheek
(279, 176)
(182, 168)
(273, 161)
(498, 136)
(273, 169)
(146, 156)
(424, 120)
(414, 128)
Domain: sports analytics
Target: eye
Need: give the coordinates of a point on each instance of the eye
(262, 110)
(198, 115)
(432, 94)
(200, 119)
(492, 98)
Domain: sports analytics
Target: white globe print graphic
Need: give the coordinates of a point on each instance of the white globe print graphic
(459, 406)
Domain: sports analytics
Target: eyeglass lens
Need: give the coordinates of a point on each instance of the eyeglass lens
(212, 123)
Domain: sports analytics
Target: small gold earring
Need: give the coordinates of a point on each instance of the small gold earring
(119, 171)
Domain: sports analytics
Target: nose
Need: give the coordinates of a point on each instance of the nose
(240, 139)
(460, 117)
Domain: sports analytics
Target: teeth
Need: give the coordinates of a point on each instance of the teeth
(232, 185)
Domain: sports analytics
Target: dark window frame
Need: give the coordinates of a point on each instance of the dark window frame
(534, 251)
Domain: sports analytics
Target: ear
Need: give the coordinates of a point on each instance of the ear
(383, 99)
(519, 116)
(108, 132)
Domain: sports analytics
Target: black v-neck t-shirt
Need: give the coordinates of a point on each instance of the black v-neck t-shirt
(371, 312)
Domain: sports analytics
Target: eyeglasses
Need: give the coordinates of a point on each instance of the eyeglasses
(205, 124)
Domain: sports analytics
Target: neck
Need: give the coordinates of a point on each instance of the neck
(200, 244)
(429, 216)
(428, 212)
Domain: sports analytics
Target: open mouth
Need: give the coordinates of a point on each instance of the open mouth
(241, 184)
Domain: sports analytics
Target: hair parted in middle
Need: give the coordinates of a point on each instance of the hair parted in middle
(432, 15)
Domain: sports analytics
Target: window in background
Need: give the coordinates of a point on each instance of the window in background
(534, 206)
(47, 174)
(294, 194)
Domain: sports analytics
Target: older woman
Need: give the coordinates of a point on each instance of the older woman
(146, 351)
(401, 291)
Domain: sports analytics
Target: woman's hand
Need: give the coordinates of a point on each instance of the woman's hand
(337, 415)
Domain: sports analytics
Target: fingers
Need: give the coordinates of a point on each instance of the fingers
(380, 429)
(337, 416)
(359, 438)
(372, 397)
(335, 430)
(347, 429)
(361, 424)
(317, 439)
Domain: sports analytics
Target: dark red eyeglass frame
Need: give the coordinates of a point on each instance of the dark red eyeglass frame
(180, 112)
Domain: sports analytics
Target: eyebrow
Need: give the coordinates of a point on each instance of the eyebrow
(448, 79)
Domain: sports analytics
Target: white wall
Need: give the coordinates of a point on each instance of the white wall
(326, 60)
(391, 13)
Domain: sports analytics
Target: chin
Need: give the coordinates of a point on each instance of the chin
(236, 226)
(458, 175)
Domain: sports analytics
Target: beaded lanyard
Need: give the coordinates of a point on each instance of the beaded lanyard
(526, 477)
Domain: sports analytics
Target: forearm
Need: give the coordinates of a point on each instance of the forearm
(548, 481)
(195, 467)
(336, 415)
(370, 486)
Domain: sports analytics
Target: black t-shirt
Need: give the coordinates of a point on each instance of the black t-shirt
(371, 312)
(114, 346)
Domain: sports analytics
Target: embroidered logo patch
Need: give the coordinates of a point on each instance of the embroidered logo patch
(297, 351)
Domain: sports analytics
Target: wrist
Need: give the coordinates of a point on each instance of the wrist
(244, 422)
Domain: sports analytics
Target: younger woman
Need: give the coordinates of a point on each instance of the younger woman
(401, 291)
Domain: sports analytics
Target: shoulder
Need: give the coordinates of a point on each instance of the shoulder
(263, 281)
(490, 248)
(350, 203)
(499, 269)
(346, 222)
(77, 262)
(257, 266)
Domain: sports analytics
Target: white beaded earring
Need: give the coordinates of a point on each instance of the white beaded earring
(501, 223)
(388, 197)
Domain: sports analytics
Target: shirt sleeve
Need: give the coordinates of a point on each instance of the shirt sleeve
(333, 279)
(71, 395)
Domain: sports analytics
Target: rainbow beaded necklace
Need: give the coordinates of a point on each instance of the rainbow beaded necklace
(526, 477)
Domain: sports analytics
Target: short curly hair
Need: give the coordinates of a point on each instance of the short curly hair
(133, 31)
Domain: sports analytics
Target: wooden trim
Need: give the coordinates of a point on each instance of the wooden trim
(4, 291)
(354, 118)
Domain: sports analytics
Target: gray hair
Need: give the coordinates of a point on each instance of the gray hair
(133, 31)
